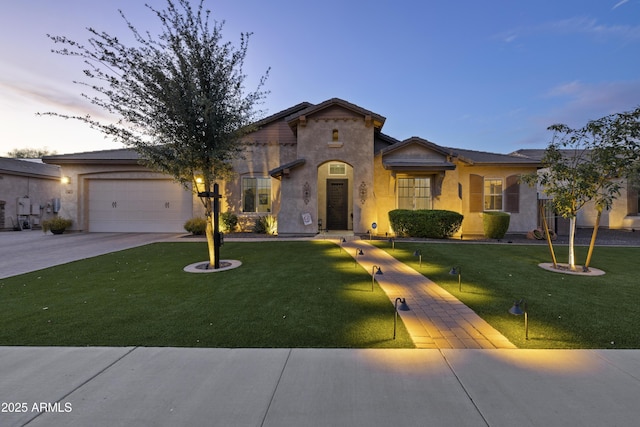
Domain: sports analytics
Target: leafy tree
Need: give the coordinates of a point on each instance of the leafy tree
(587, 164)
(177, 98)
(29, 153)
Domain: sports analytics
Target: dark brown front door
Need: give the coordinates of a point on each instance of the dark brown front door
(337, 204)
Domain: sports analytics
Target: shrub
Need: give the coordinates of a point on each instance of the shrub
(495, 224)
(436, 224)
(229, 221)
(57, 225)
(196, 226)
(265, 225)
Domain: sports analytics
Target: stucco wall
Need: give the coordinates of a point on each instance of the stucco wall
(315, 144)
(39, 191)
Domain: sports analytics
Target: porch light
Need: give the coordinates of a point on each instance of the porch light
(403, 307)
(418, 253)
(65, 180)
(375, 270)
(458, 271)
(517, 310)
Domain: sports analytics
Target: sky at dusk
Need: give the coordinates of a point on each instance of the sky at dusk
(482, 75)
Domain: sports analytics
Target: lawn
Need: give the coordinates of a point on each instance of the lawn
(565, 311)
(286, 294)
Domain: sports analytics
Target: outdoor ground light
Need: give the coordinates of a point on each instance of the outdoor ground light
(374, 270)
(403, 307)
(458, 271)
(355, 258)
(342, 242)
(517, 310)
(393, 242)
(418, 253)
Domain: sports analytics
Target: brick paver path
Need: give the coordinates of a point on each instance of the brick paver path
(436, 318)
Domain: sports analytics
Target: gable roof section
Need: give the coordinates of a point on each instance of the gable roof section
(30, 168)
(282, 114)
(376, 119)
(392, 158)
(118, 156)
(473, 157)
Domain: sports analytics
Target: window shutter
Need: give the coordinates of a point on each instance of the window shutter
(476, 183)
(513, 194)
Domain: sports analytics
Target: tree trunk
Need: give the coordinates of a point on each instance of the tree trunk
(546, 232)
(572, 237)
(592, 244)
(210, 242)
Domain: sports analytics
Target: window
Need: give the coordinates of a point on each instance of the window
(492, 194)
(256, 194)
(414, 193)
(337, 169)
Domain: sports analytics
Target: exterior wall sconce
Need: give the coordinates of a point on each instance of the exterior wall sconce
(65, 180)
(403, 307)
(374, 270)
(418, 253)
(458, 271)
(517, 310)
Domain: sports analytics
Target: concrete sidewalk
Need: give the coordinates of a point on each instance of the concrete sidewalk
(317, 387)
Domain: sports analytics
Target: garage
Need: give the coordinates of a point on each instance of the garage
(138, 205)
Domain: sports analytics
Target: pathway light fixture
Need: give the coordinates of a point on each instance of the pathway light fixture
(519, 308)
(403, 307)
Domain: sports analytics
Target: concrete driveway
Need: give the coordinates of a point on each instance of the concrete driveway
(25, 251)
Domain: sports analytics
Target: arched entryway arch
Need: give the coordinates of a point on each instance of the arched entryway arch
(335, 195)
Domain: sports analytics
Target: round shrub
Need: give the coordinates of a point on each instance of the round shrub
(229, 221)
(434, 224)
(197, 226)
(495, 224)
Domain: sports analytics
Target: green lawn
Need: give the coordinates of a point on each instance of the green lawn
(286, 294)
(565, 311)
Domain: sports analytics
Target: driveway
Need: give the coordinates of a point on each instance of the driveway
(30, 250)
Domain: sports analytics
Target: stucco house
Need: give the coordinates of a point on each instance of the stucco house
(29, 192)
(624, 213)
(322, 166)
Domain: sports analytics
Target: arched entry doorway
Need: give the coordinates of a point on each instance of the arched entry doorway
(335, 195)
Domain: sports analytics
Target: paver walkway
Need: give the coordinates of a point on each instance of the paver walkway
(436, 318)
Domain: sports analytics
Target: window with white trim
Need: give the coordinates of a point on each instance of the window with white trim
(493, 194)
(256, 194)
(414, 193)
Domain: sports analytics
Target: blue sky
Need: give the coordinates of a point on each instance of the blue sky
(488, 76)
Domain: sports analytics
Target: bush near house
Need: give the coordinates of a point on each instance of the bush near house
(196, 226)
(265, 225)
(495, 224)
(435, 224)
(57, 225)
(229, 221)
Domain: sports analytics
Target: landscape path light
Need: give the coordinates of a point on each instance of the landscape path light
(418, 253)
(403, 307)
(457, 271)
(355, 258)
(519, 308)
(375, 270)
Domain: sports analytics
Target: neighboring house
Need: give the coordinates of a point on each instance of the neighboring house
(29, 192)
(313, 167)
(624, 213)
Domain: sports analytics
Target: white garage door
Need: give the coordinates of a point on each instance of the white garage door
(141, 205)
